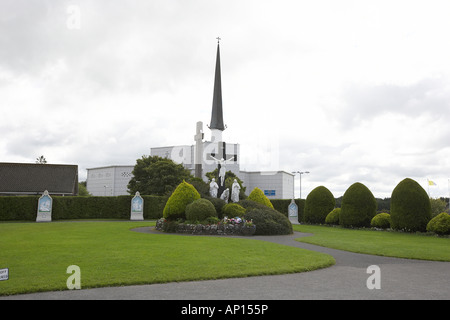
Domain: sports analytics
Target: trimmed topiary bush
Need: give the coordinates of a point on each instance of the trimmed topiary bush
(218, 204)
(381, 220)
(410, 207)
(319, 204)
(233, 210)
(269, 221)
(258, 196)
(200, 210)
(358, 206)
(249, 204)
(183, 195)
(440, 224)
(333, 216)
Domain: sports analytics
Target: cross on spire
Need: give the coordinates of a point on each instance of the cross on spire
(218, 39)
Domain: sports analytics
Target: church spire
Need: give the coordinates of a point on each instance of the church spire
(217, 114)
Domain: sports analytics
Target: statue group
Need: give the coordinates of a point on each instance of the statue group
(235, 189)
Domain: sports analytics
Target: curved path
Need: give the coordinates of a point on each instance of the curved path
(347, 279)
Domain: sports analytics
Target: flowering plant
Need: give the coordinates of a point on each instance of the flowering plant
(237, 220)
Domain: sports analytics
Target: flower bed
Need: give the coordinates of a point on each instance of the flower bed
(234, 226)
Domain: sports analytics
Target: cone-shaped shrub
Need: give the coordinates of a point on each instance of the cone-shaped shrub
(183, 195)
(258, 196)
(410, 207)
(358, 206)
(319, 203)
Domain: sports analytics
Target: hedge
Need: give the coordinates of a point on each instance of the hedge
(25, 207)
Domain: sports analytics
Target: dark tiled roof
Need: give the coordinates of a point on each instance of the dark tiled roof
(27, 178)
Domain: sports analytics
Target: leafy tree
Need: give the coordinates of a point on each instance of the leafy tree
(153, 175)
(201, 186)
(41, 160)
(82, 190)
(437, 206)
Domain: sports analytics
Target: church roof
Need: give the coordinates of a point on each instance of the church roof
(217, 114)
(28, 178)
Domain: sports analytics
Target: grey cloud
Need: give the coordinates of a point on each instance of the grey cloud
(365, 102)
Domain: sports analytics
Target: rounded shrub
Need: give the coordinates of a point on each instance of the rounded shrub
(233, 210)
(249, 204)
(258, 196)
(183, 195)
(381, 220)
(410, 206)
(440, 224)
(218, 204)
(333, 216)
(269, 221)
(358, 206)
(200, 210)
(319, 203)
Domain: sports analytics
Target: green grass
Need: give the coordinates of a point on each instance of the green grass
(383, 243)
(109, 254)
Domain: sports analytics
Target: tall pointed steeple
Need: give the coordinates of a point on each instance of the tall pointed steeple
(217, 114)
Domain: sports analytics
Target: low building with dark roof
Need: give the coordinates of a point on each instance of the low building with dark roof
(34, 179)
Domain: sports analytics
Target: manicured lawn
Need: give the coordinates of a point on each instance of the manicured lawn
(109, 254)
(383, 243)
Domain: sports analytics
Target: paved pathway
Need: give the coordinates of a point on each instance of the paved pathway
(347, 279)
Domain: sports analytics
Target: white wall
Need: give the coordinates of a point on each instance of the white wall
(279, 184)
(108, 181)
(116, 178)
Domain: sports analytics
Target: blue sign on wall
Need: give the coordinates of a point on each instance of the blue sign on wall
(269, 192)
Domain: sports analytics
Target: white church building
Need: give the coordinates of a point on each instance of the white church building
(200, 158)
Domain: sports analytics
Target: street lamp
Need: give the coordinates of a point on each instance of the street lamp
(300, 173)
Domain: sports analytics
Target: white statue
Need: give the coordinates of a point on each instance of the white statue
(222, 170)
(235, 191)
(225, 194)
(213, 188)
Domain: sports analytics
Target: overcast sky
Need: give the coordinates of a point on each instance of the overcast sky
(351, 91)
